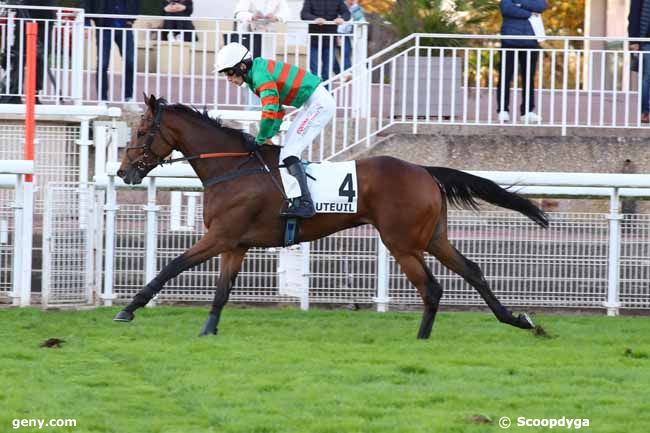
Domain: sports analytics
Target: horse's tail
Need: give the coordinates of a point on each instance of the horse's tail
(461, 189)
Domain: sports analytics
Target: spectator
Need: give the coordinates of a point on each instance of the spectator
(516, 14)
(321, 11)
(258, 16)
(41, 15)
(180, 30)
(109, 29)
(347, 29)
(639, 27)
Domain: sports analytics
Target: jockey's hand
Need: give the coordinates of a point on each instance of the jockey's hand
(249, 143)
(269, 142)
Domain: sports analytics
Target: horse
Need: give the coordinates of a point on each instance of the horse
(405, 202)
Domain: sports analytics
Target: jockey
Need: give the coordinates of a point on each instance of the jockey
(278, 84)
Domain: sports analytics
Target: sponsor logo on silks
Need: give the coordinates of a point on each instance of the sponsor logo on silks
(333, 207)
(303, 124)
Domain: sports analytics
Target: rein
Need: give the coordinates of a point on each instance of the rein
(156, 129)
(204, 156)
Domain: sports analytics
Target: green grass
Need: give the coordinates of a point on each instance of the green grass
(283, 370)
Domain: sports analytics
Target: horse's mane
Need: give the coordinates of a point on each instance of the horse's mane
(200, 115)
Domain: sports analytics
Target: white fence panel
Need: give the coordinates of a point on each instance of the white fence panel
(562, 266)
(634, 289)
(257, 281)
(56, 154)
(69, 245)
(7, 240)
(343, 266)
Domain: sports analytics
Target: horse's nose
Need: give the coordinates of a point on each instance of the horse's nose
(121, 173)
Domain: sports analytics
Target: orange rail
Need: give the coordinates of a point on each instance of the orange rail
(30, 93)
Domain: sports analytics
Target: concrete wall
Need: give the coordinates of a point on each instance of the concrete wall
(525, 149)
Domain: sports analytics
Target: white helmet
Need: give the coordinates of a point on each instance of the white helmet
(231, 55)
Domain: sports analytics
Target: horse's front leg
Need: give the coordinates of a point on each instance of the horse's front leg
(230, 264)
(208, 246)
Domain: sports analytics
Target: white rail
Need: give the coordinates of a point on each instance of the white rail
(23, 225)
(445, 79)
(565, 184)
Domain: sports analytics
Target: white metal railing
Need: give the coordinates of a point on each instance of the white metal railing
(183, 71)
(452, 79)
(59, 53)
(143, 59)
(582, 260)
(13, 173)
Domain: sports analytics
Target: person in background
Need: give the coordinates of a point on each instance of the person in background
(178, 8)
(347, 29)
(40, 15)
(321, 11)
(119, 30)
(257, 16)
(516, 14)
(639, 27)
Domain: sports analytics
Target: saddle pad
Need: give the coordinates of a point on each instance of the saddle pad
(334, 189)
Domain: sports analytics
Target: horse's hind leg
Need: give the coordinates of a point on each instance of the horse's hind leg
(420, 276)
(454, 260)
(230, 264)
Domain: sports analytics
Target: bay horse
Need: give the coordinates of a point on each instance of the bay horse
(406, 203)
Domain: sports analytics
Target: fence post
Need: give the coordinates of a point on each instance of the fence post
(359, 58)
(88, 197)
(367, 101)
(16, 273)
(382, 298)
(26, 248)
(28, 185)
(565, 85)
(416, 80)
(83, 144)
(78, 50)
(614, 259)
(152, 236)
(110, 208)
(100, 135)
(305, 249)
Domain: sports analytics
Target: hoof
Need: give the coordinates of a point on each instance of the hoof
(525, 322)
(123, 316)
(206, 333)
(210, 327)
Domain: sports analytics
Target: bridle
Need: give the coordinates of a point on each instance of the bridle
(142, 166)
(148, 154)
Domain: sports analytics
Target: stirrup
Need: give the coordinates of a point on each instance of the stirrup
(303, 209)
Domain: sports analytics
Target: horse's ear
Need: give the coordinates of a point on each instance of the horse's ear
(152, 102)
(145, 99)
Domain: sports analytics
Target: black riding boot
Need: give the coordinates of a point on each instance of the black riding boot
(304, 206)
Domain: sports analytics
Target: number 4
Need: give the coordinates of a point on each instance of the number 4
(347, 188)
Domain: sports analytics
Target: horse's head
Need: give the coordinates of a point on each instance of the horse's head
(149, 144)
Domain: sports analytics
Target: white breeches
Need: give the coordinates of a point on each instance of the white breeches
(315, 115)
